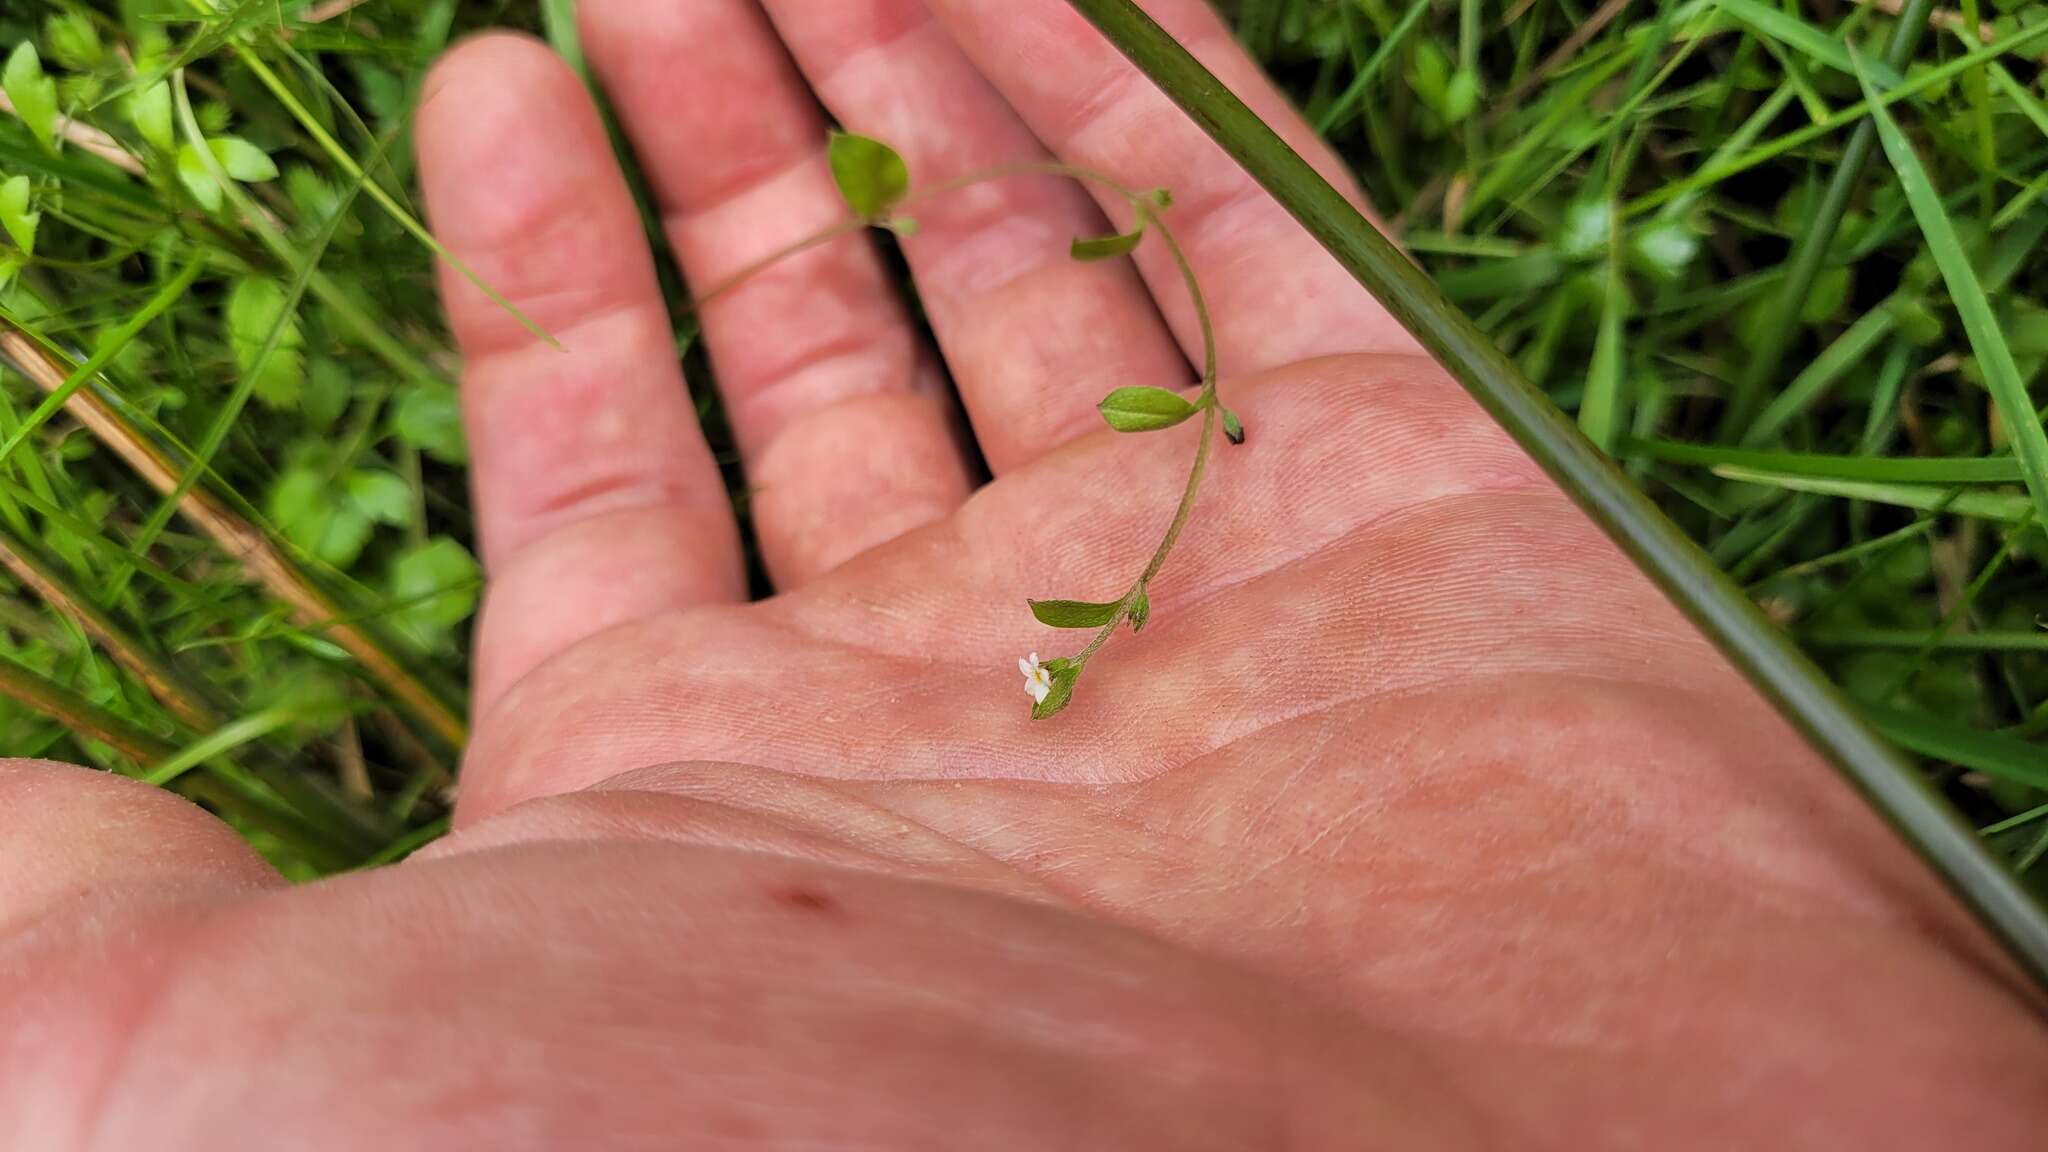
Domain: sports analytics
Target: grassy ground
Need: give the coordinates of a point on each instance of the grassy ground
(236, 561)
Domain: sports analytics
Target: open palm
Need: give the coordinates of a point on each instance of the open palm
(1415, 818)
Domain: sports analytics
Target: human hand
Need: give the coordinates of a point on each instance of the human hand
(1415, 818)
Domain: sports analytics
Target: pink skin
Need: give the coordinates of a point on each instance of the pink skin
(1415, 820)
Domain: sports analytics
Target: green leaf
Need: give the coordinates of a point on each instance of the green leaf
(2001, 375)
(1074, 613)
(256, 307)
(303, 507)
(326, 393)
(242, 160)
(1233, 428)
(73, 40)
(1461, 95)
(1064, 674)
(382, 496)
(1141, 611)
(33, 94)
(197, 178)
(871, 176)
(149, 109)
(429, 418)
(1138, 409)
(1091, 248)
(434, 588)
(15, 218)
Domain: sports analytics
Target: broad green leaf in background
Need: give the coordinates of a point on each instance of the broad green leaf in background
(433, 588)
(254, 308)
(15, 219)
(149, 109)
(429, 417)
(33, 94)
(242, 160)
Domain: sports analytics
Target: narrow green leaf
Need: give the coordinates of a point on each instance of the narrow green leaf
(1994, 754)
(1600, 409)
(1138, 409)
(242, 160)
(1091, 248)
(33, 94)
(2006, 508)
(1882, 469)
(2001, 375)
(1797, 34)
(1074, 613)
(871, 176)
(1813, 381)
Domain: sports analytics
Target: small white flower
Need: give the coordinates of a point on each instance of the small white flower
(1037, 678)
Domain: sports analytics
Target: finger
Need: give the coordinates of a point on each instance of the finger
(847, 429)
(1276, 296)
(596, 497)
(73, 833)
(1033, 337)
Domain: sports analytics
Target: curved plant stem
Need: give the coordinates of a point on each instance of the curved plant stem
(1892, 784)
(1146, 207)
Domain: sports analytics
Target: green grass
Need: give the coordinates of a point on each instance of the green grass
(1814, 335)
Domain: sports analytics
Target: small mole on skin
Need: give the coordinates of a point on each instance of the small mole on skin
(805, 900)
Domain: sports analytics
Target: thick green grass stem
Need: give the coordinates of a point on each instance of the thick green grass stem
(1763, 653)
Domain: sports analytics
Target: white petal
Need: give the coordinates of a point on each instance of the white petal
(1027, 667)
(1039, 691)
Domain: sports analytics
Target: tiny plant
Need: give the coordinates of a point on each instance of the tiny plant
(875, 183)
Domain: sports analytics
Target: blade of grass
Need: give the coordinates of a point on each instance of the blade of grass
(2004, 507)
(269, 564)
(1991, 753)
(163, 298)
(1843, 353)
(1812, 246)
(1947, 470)
(1913, 85)
(1600, 409)
(78, 714)
(1339, 113)
(1987, 340)
(1797, 34)
(1665, 553)
(185, 699)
